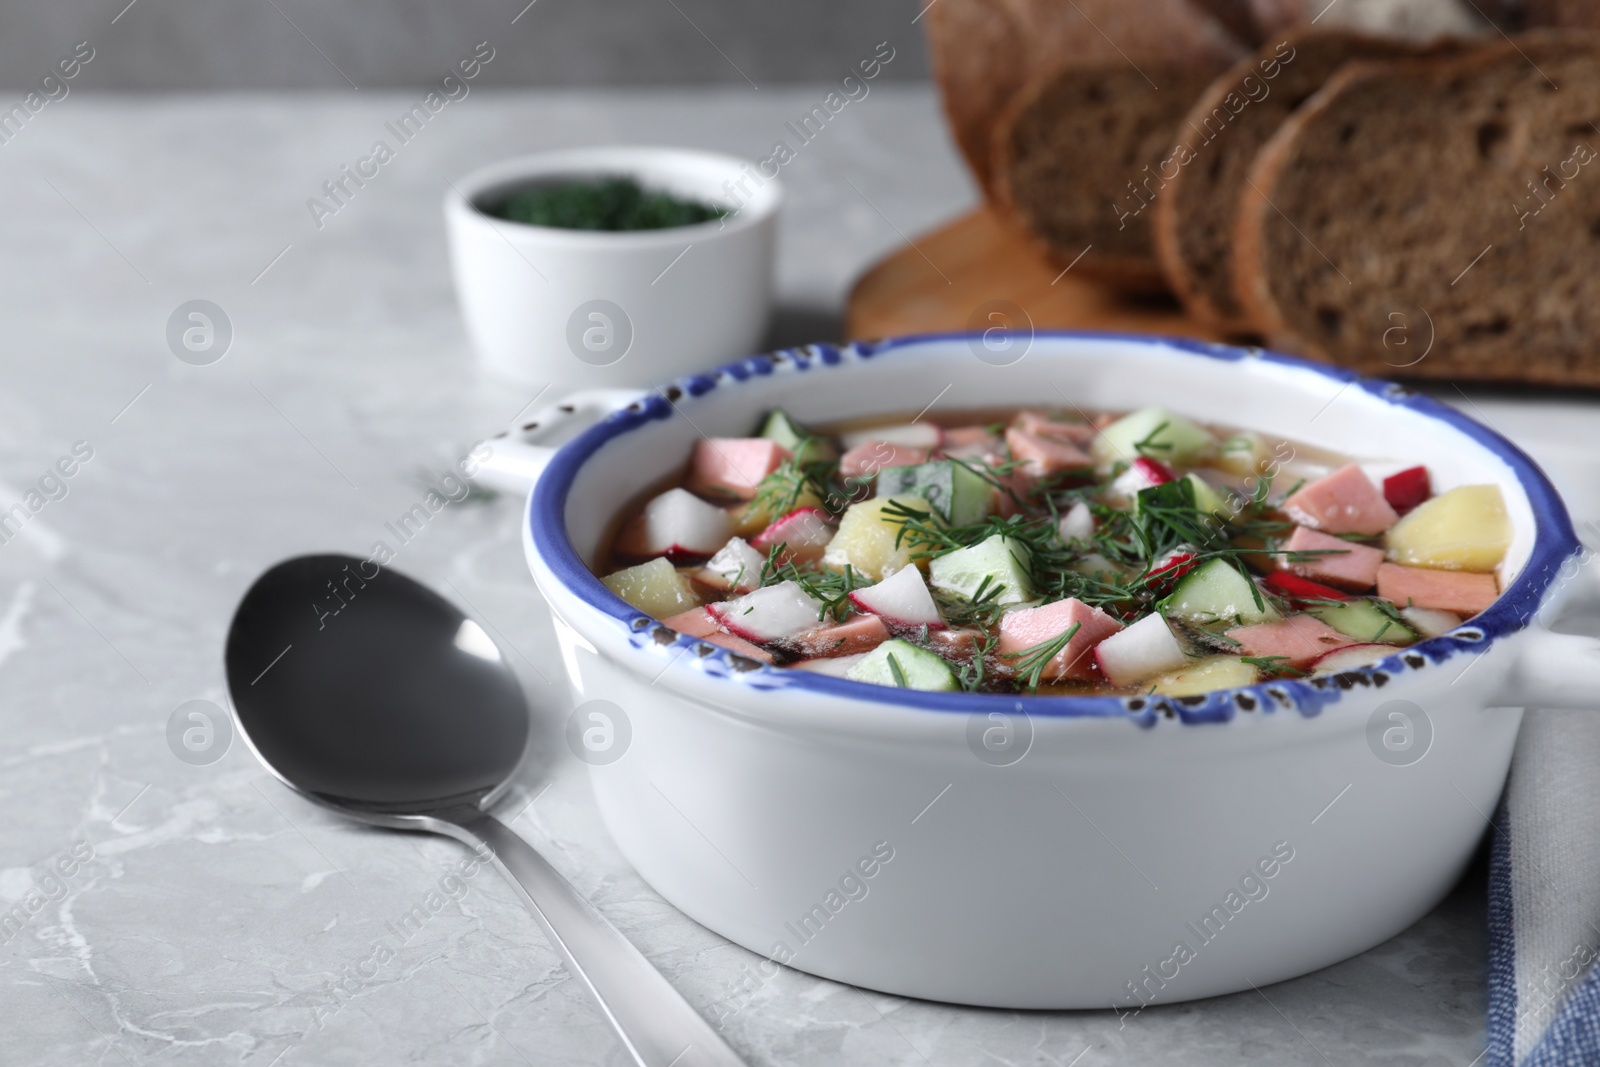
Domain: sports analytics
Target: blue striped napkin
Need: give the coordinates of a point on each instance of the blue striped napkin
(1544, 871)
(1544, 898)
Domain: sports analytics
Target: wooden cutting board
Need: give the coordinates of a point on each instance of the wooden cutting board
(960, 275)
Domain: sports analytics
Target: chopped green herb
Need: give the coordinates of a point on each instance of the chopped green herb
(600, 204)
(1033, 660)
(894, 669)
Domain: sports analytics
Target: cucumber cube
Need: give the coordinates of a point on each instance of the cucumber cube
(804, 446)
(911, 668)
(960, 497)
(1243, 454)
(998, 565)
(1208, 498)
(1216, 592)
(1365, 621)
(1172, 439)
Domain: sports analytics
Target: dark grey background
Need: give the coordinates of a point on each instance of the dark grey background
(306, 44)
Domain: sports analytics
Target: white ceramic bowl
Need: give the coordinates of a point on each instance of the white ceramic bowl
(1053, 852)
(586, 309)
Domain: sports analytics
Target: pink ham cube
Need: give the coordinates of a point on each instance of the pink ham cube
(1458, 591)
(956, 644)
(1041, 425)
(697, 622)
(1028, 628)
(1299, 639)
(868, 458)
(968, 436)
(1043, 456)
(1347, 565)
(858, 633)
(732, 467)
(1345, 501)
(971, 443)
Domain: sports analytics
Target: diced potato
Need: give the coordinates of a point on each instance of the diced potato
(866, 538)
(1217, 672)
(655, 588)
(1465, 529)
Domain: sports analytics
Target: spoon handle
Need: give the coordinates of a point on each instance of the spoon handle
(657, 1026)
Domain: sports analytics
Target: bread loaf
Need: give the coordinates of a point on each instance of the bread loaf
(1196, 212)
(1436, 218)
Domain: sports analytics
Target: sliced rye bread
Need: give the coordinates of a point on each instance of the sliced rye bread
(1228, 124)
(978, 53)
(1436, 218)
(994, 57)
(1074, 152)
(1078, 163)
(1580, 14)
(984, 52)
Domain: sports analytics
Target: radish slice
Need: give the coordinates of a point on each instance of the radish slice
(1169, 568)
(768, 614)
(677, 524)
(1154, 470)
(1408, 488)
(1141, 651)
(1144, 473)
(1350, 657)
(804, 533)
(911, 435)
(735, 567)
(1299, 590)
(902, 599)
(1430, 622)
(1077, 524)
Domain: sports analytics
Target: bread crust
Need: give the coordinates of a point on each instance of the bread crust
(978, 55)
(1250, 284)
(1258, 212)
(1171, 219)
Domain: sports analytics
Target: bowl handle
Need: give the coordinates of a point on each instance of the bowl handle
(1561, 670)
(519, 455)
(1556, 671)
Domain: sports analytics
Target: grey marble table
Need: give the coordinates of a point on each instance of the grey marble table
(219, 919)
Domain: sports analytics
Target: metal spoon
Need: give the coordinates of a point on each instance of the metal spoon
(370, 694)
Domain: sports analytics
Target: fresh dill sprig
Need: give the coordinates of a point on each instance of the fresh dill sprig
(1147, 445)
(974, 673)
(830, 588)
(781, 491)
(1033, 660)
(1273, 666)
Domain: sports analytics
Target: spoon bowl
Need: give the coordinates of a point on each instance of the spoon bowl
(365, 690)
(370, 694)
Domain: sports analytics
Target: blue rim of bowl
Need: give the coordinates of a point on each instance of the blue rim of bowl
(1554, 544)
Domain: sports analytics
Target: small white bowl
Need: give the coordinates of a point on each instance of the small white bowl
(587, 309)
